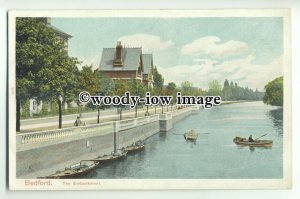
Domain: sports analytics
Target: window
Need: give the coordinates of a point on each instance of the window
(34, 105)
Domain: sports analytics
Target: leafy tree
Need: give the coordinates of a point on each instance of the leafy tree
(136, 87)
(158, 81)
(121, 86)
(186, 88)
(274, 92)
(58, 86)
(107, 87)
(43, 69)
(226, 83)
(227, 90)
(171, 87)
(89, 80)
(214, 88)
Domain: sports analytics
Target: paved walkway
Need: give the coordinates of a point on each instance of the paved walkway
(39, 124)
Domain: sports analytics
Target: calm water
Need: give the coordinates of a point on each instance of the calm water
(214, 155)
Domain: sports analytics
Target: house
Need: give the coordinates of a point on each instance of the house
(127, 63)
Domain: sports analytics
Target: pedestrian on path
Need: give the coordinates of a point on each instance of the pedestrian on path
(77, 121)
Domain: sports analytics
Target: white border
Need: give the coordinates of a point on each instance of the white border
(146, 184)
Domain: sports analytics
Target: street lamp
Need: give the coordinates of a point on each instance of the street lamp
(60, 100)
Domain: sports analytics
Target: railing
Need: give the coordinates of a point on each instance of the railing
(57, 134)
(81, 131)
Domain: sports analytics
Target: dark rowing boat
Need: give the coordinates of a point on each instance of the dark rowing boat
(256, 143)
(137, 146)
(74, 171)
(119, 154)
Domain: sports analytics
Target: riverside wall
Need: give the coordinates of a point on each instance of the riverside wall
(42, 153)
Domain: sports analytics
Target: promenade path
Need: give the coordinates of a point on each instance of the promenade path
(38, 124)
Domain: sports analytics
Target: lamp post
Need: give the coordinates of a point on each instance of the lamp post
(120, 110)
(60, 99)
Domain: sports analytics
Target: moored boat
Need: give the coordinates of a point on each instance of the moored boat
(74, 171)
(137, 146)
(119, 154)
(191, 135)
(256, 143)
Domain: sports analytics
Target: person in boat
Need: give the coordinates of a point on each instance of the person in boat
(77, 121)
(250, 139)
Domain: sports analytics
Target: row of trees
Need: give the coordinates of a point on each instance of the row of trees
(230, 91)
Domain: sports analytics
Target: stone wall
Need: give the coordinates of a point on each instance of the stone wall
(43, 153)
(40, 156)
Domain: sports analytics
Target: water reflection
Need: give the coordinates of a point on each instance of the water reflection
(252, 149)
(162, 135)
(191, 143)
(276, 115)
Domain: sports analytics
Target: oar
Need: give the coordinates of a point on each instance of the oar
(261, 136)
(198, 133)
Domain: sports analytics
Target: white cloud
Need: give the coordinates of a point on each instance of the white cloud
(242, 71)
(150, 43)
(213, 47)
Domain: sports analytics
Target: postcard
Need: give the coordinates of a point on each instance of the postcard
(150, 99)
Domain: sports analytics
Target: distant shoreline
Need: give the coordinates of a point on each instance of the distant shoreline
(238, 101)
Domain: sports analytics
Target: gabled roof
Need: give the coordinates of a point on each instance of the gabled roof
(147, 62)
(130, 59)
(60, 32)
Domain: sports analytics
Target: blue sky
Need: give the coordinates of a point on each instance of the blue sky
(244, 50)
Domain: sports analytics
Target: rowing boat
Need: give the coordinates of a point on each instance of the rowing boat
(191, 135)
(256, 143)
(119, 154)
(74, 171)
(137, 146)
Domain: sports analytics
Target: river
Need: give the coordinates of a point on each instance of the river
(213, 155)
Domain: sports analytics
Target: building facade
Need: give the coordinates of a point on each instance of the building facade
(127, 63)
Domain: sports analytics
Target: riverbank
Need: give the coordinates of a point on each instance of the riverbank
(236, 101)
(40, 153)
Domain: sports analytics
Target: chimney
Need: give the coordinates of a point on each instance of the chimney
(118, 60)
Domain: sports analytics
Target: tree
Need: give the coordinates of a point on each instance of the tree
(171, 87)
(57, 86)
(214, 88)
(186, 88)
(89, 80)
(121, 86)
(42, 64)
(274, 92)
(158, 81)
(227, 90)
(226, 83)
(136, 87)
(107, 87)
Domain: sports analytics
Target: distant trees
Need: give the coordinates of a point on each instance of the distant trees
(231, 91)
(274, 92)
(214, 88)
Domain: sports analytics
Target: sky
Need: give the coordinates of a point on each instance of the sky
(248, 51)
